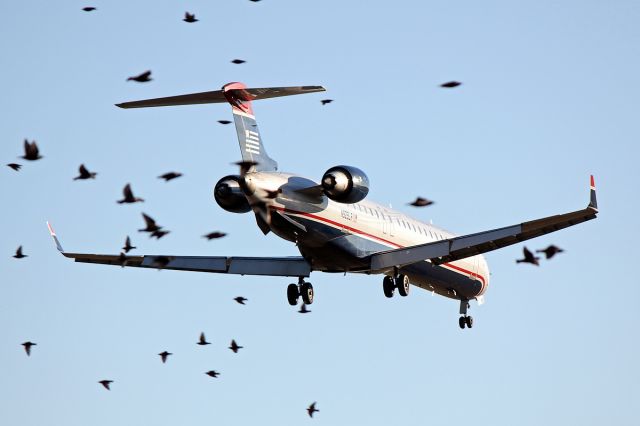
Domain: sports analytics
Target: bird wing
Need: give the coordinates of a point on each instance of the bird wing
(83, 170)
(127, 192)
(149, 221)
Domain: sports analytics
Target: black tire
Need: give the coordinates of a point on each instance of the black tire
(306, 291)
(462, 322)
(388, 286)
(469, 321)
(402, 283)
(293, 294)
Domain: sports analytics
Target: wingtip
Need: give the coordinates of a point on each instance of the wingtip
(55, 238)
(593, 201)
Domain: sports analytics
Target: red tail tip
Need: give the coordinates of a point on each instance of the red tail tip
(593, 182)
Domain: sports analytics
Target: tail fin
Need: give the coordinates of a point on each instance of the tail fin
(240, 97)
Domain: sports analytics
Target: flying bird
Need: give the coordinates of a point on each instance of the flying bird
(224, 122)
(214, 235)
(528, 257)
(421, 202)
(159, 234)
(89, 9)
(31, 151)
(169, 176)
(234, 347)
(15, 166)
(272, 194)
(122, 260)
(245, 166)
(151, 227)
(106, 383)
(190, 17)
(326, 101)
(240, 299)
(127, 245)
(212, 373)
(164, 355)
(142, 78)
(550, 251)
(27, 347)
(19, 254)
(84, 173)
(202, 341)
(312, 409)
(238, 61)
(450, 84)
(303, 309)
(128, 196)
(160, 262)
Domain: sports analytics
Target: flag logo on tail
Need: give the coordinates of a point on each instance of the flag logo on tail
(252, 142)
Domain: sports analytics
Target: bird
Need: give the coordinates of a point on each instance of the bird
(212, 373)
(128, 196)
(528, 257)
(89, 9)
(326, 101)
(142, 78)
(224, 121)
(122, 259)
(31, 151)
(127, 245)
(27, 347)
(303, 309)
(190, 17)
(160, 261)
(214, 235)
(238, 61)
(164, 355)
(202, 341)
(159, 233)
(245, 166)
(19, 254)
(151, 225)
(106, 383)
(169, 176)
(550, 251)
(421, 202)
(234, 346)
(15, 166)
(312, 409)
(450, 84)
(272, 194)
(84, 173)
(240, 299)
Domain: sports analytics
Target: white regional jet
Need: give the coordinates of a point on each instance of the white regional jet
(332, 223)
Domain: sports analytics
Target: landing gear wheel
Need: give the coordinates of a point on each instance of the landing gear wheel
(306, 291)
(292, 294)
(462, 322)
(469, 321)
(402, 282)
(388, 286)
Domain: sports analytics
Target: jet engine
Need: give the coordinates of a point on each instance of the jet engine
(345, 184)
(229, 195)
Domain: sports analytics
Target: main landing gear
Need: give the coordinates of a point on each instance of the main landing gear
(399, 281)
(464, 320)
(302, 289)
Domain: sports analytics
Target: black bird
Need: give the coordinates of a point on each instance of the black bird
(159, 233)
(234, 346)
(202, 341)
(15, 166)
(224, 122)
(528, 257)
(240, 299)
(19, 254)
(160, 261)
(127, 245)
(303, 309)
(421, 202)
(142, 78)
(190, 17)
(213, 235)
(169, 176)
(151, 225)
(238, 61)
(212, 373)
(106, 383)
(550, 251)
(312, 409)
(326, 101)
(164, 355)
(128, 196)
(122, 260)
(450, 84)
(89, 9)
(27, 347)
(31, 151)
(245, 166)
(84, 173)
(272, 194)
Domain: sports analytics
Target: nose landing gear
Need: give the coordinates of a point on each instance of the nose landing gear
(302, 289)
(465, 320)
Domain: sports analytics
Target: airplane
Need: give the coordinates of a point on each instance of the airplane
(333, 224)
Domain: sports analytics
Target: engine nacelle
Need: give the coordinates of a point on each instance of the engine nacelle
(345, 184)
(229, 195)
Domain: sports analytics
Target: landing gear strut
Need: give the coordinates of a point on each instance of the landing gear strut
(399, 281)
(465, 320)
(302, 289)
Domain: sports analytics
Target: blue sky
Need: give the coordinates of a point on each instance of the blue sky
(549, 96)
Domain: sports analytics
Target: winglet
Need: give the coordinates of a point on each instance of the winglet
(593, 202)
(55, 238)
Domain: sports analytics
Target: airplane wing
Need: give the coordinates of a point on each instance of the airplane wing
(272, 266)
(451, 249)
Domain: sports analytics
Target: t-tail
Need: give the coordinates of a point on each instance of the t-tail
(240, 98)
